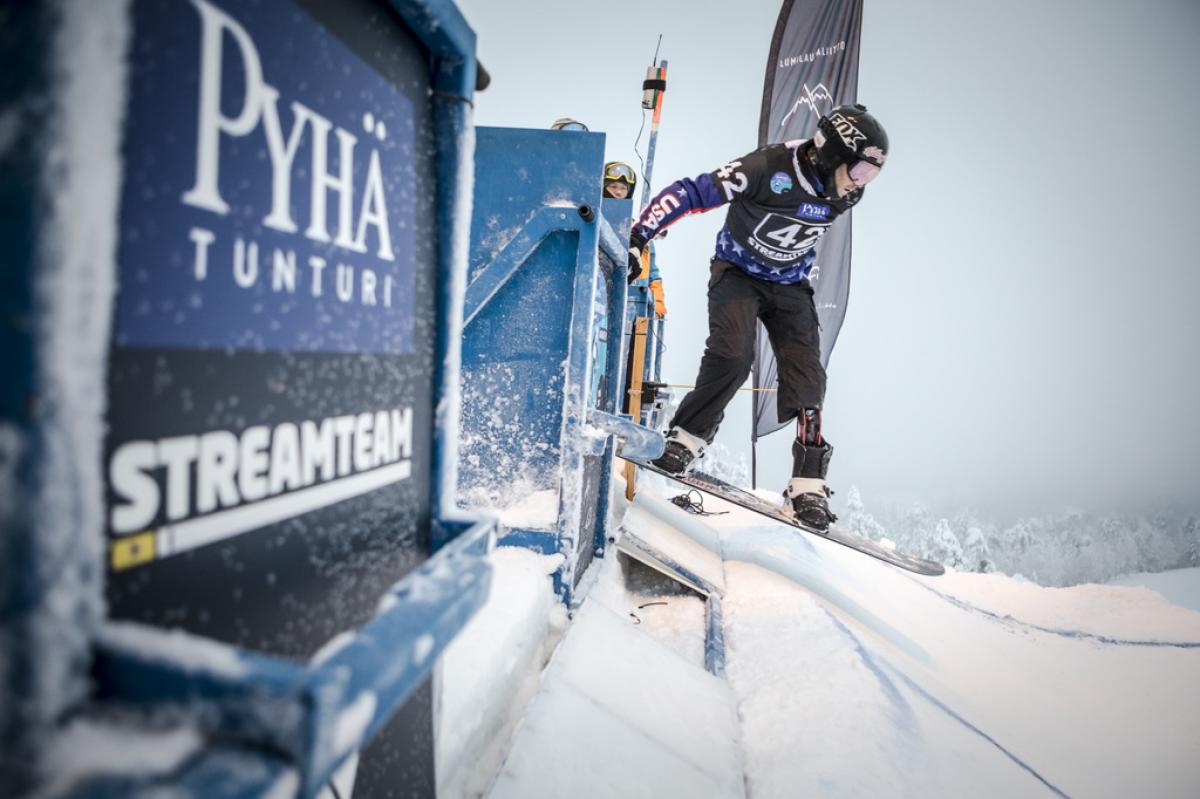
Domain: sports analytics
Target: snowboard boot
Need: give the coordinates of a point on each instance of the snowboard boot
(809, 503)
(681, 451)
(806, 491)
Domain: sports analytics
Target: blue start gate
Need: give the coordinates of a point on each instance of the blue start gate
(541, 385)
(233, 271)
(254, 349)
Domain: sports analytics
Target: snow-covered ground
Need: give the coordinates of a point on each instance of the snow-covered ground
(844, 677)
(1181, 586)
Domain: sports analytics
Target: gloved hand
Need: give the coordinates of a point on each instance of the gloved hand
(637, 243)
(660, 301)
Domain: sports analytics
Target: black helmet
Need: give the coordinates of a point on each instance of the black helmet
(849, 135)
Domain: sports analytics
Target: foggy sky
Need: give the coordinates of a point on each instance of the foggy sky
(1022, 319)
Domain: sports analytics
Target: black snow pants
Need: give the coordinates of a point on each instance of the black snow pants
(735, 301)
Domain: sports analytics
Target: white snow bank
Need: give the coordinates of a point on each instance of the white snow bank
(518, 505)
(619, 714)
(694, 527)
(823, 715)
(490, 670)
(89, 749)
(855, 678)
(190, 653)
(668, 611)
(352, 722)
(1109, 611)
(346, 637)
(1180, 587)
(848, 677)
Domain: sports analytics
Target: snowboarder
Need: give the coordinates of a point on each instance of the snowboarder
(782, 198)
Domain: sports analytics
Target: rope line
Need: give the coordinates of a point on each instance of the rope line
(689, 385)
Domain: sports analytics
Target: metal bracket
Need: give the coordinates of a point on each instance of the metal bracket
(315, 714)
(634, 441)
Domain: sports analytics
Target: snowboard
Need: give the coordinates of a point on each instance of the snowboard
(743, 498)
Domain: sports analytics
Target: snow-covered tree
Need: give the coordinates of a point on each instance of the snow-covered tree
(1057, 549)
(943, 546)
(913, 528)
(1191, 537)
(977, 555)
(857, 520)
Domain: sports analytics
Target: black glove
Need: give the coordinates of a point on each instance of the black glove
(636, 244)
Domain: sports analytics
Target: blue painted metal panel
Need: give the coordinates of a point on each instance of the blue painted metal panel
(714, 636)
(579, 499)
(635, 441)
(275, 313)
(545, 292)
(316, 714)
(259, 340)
(670, 565)
(521, 302)
(521, 171)
(513, 376)
(491, 276)
(224, 771)
(452, 48)
(541, 541)
(451, 45)
(638, 301)
(349, 248)
(609, 362)
(615, 240)
(53, 323)
(615, 225)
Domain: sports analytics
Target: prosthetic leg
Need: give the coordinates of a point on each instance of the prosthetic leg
(806, 491)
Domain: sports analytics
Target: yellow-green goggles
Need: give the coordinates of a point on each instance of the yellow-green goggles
(615, 170)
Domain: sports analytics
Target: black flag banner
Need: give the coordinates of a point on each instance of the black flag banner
(813, 67)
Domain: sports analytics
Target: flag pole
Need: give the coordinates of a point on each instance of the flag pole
(653, 90)
(753, 458)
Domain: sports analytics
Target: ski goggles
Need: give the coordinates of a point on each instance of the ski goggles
(568, 124)
(863, 172)
(620, 171)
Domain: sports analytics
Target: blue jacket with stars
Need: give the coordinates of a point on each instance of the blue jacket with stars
(776, 211)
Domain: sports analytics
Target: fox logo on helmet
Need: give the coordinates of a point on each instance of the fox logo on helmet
(849, 134)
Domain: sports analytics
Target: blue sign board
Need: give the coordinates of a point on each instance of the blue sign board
(270, 382)
(271, 375)
(270, 195)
